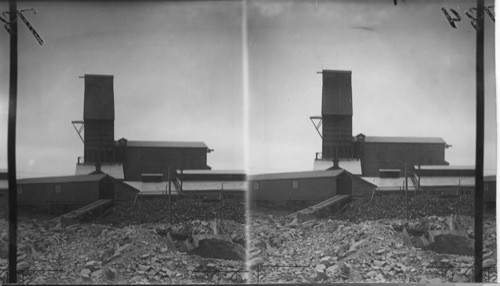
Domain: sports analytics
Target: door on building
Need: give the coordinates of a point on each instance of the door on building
(106, 189)
(344, 185)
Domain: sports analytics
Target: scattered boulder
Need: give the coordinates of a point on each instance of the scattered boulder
(255, 263)
(452, 244)
(221, 249)
(85, 274)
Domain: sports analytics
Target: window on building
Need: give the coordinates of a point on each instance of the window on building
(57, 189)
(255, 185)
(295, 184)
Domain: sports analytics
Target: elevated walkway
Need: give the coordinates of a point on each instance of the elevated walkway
(338, 199)
(72, 216)
(91, 207)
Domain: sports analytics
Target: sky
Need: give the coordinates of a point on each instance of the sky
(177, 77)
(412, 75)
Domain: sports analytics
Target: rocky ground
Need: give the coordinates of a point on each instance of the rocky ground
(345, 248)
(122, 250)
(394, 206)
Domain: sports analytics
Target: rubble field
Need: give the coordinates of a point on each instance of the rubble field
(371, 243)
(134, 244)
(394, 206)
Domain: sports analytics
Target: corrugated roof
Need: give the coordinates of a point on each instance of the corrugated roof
(62, 179)
(351, 166)
(98, 98)
(390, 139)
(296, 175)
(114, 170)
(447, 181)
(166, 144)
(214, 185)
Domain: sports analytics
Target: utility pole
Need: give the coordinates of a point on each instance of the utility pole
(478, 194)
(11, 26)
(406, 191)
(169, 196)
(11, 142)
(419, 174)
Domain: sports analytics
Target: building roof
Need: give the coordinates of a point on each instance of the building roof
(98, 98)
(114, 170)
(214, 185)
(212, 172)
(351, 166)
(151, 188)
(62, 179)
(490, 178)
(296, 175)
(166, 144)
(445, 167)
(390, 139)
(447, 181)
(389, 183)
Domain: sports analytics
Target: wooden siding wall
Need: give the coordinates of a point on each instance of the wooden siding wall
(394, 156)
(106, 189)
(337, 136)
(99, 138)
(336, 93)
(141, 160)
(361, 188)
(310, 189)
(490, 191)
(81, 193)
(124, 192)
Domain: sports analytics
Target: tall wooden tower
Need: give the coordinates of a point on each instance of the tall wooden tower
(336, 113)
(99, 119)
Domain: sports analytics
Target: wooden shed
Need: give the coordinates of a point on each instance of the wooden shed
(490, 191)
(70, 192)
(304, 188)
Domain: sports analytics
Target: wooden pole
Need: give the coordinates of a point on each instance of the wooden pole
(11, 144)
(478, 194)
(169, 197)
(406, 191)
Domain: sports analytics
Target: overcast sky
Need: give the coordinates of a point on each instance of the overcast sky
(178, 71)
(412, 75)
(177, 77)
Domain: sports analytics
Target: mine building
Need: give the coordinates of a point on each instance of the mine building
(305, 188)
(4, 183)
(66, 193)
(119, 170)
(373, 163)
(490, 191)
(370, 154)
(145, 165)
(126, 159)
